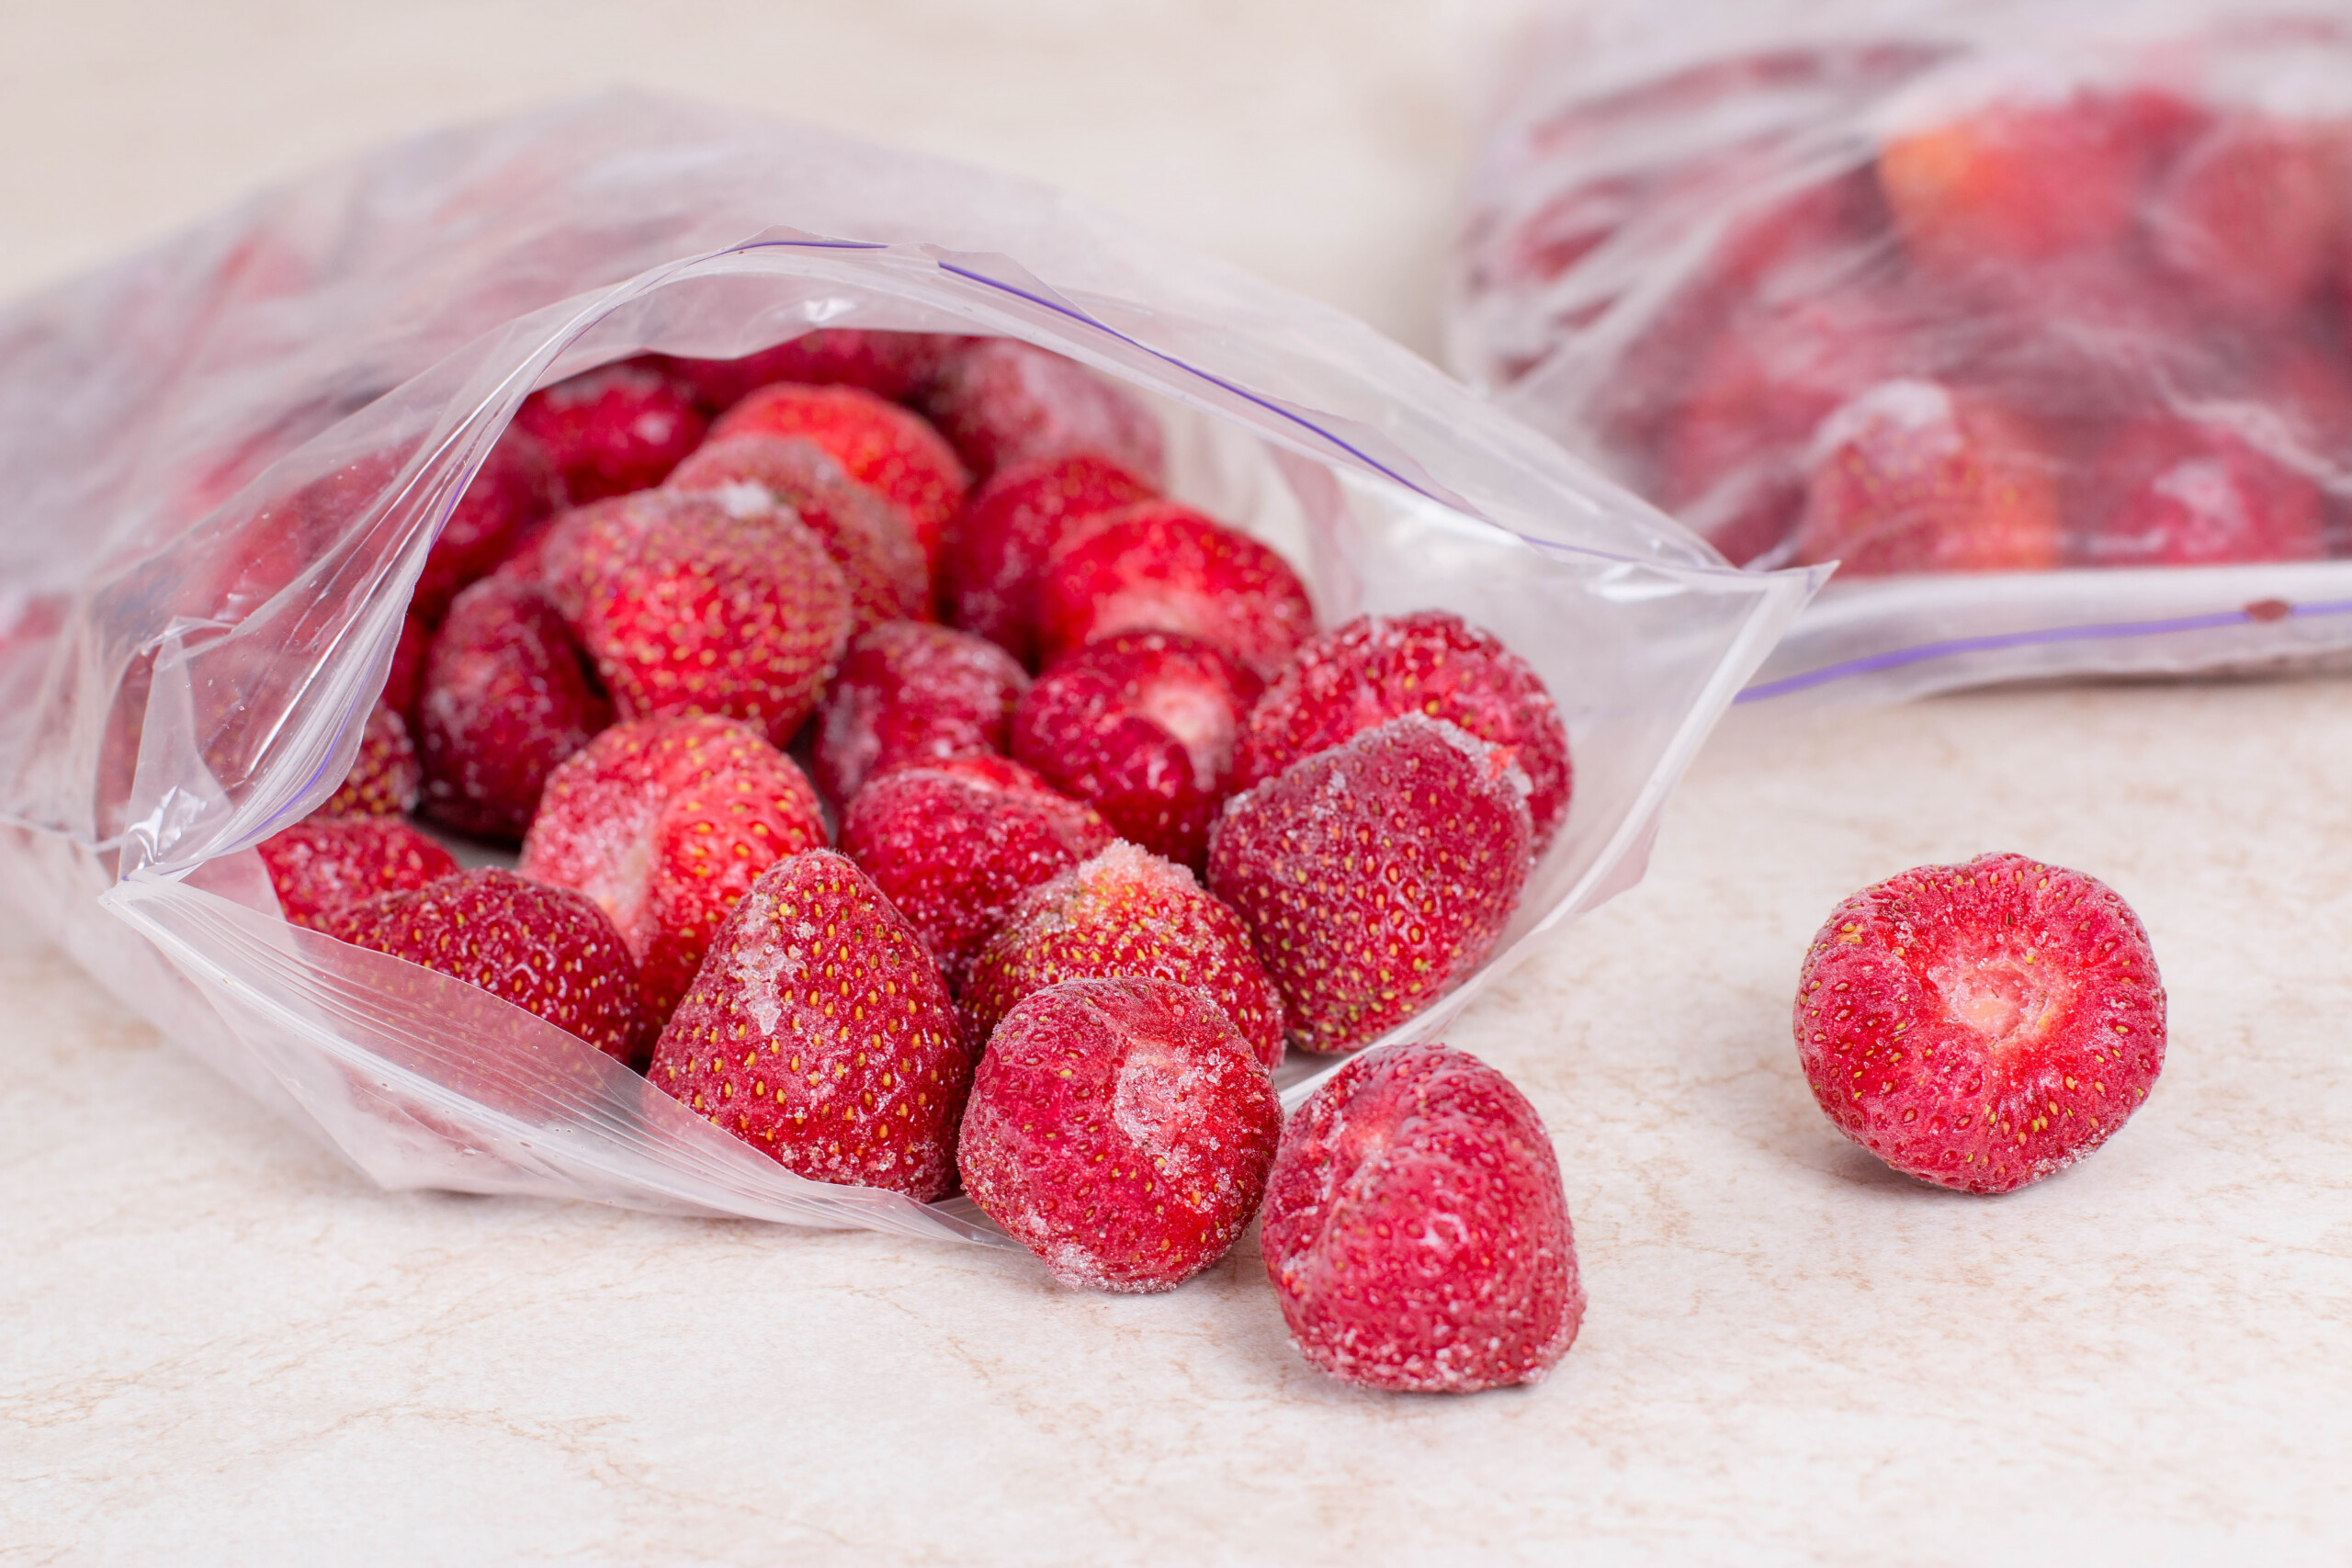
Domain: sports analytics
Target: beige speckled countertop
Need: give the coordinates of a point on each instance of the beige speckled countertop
(218, 1345)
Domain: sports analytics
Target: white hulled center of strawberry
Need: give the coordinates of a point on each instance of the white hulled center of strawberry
(1199, 717)
(2003, 998)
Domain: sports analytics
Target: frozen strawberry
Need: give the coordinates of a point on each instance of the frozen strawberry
(547, 950)
(909, 694)
(1125, 911)
(953, 844)
(322, 864)
(686, 607)
(1377, 668)
(1416, 1230)
(818, 1032)
(1980, 1026)
(665, 822)
(1121, 1130)
(2252, 214)
(1141, 726)
(406, 680)
(615, 429)
(517, 486)
(384, 779)
(2187, 493)
(1913, 476)
(881, 444)
(867, 537)
(889, 365)
(997, 548)
(1374, 877)
(508, 694)
(1158, 567)
(1001, 402)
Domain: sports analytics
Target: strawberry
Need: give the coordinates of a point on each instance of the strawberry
(615, 429)
(687, 608)
(1125, 911)
(2252, 214)
(1141, 725)
(2189, 494)
(1913, 476)
(1157, 566)
(1377, 668)
(996, 552)
(954, 844)
(517, 486)
(1121, 1130)
(1980, 1026)
(547, 950)
(883, 447)
(507, 696)
(908, 695)
(865, 535)
(324, 865)
(889, 365)
(1416, 1230)
(406, 680)
(1001, 402)
(1374, 877)
(384, 779)
(665, 822)
(818, 1032)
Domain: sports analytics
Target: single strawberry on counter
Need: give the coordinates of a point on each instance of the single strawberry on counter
(1001, 401)
(665, 822)
(1984, 1025)
(1125, 911)
(1431, 662)
(818, 1032)
(1157, 566)
(998, 547)
(908, 694)
(1374, 877)
(386, 779)
(322, 864)
(884, 447)
(1416, 1230)
(516, 487)
(1141, 726)
(615, 429)
(1121, 1130)
(953, 844)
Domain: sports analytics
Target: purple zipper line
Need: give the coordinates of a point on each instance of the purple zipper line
(2099, 632)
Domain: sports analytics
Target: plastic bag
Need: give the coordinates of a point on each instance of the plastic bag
(2034, 316)
(227, 457)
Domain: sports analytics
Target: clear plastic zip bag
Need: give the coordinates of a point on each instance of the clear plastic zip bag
(228, 455)
(2032, 316)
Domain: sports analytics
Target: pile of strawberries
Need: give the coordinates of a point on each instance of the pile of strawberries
(907, 787)
(2032, 325)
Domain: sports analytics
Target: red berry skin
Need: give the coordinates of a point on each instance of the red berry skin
(517, 486)
(1913, 476)
(1377, 668)
(547, 950)
(909, 694)
(1374, 877)
(952, 845)
(2251, 214)
(1120, 1129)
(1141, 725)
(1416, 1230)
(1125, 911)
(1002, 402)
(818, 1032)
(997, 550)
(324, 865)
(405, 681)
(2191, 494)
(615, 429)
(386, 779)
(1161, 567)
(507, 696)
(1980, 1026)
(867, 536)
(687, 608)
(896, 366)
(884, 447)
(665, 823)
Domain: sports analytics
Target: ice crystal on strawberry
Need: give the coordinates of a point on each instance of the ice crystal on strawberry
(324, 865)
